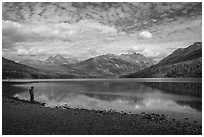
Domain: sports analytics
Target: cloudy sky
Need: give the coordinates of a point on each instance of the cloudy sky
(84, 30)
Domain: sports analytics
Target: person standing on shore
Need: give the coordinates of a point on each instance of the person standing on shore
(31, 94)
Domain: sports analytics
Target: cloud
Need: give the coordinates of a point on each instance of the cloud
(90, 24)
(122, 16)
(83, 38)
(145, 34)
(180, 30)
(90, 30)
(136, 50)
(84, 29)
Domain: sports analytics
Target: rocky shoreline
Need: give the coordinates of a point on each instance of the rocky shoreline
(24, 117)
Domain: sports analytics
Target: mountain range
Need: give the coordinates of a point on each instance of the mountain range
(13, 70)
(110, 65)
(104, 66)
(183, 62)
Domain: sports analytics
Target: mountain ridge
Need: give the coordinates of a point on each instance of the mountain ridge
(108, 65)
(103, 66)
(185, 62)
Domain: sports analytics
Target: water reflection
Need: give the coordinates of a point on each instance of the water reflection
(175, 99)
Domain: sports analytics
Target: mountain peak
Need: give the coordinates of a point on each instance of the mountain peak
(60, 60)
(58, 56)
(55, 57)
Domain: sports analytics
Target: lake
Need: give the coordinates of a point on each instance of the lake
(176, 98)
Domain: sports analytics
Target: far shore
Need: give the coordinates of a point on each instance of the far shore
(190, 80)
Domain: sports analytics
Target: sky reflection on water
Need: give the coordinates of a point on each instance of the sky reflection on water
(177, 100)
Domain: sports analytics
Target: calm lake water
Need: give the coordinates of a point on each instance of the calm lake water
(179, 99)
